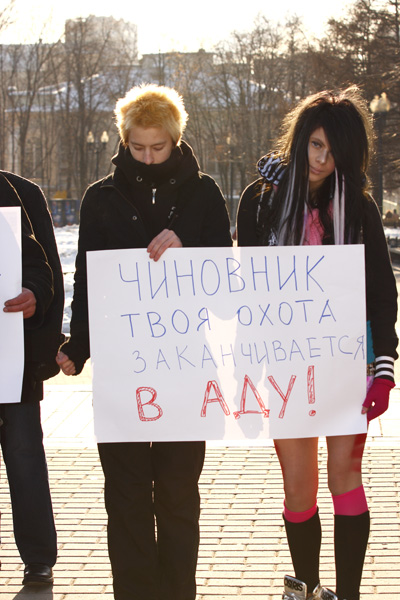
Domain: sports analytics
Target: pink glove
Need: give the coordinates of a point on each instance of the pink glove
(377, 400)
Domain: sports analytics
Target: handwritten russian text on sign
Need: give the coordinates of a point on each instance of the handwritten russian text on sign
(227, 343)
(11, 324)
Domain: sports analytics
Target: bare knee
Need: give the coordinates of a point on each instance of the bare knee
(341, 482)
(299, 463)
(300, 495)
(345, 464)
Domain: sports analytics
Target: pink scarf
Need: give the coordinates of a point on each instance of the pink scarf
(313, 230)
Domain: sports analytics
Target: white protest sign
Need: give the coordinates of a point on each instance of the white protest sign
(227, 343)
(11, 324)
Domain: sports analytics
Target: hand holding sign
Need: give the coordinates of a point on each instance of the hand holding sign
(25, 302)
(66, 364)
(164, 240)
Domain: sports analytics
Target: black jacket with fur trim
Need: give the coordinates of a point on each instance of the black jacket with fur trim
(42, 274)
(381, 290)
(130, 207)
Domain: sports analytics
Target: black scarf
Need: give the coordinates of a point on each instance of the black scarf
(155, 174)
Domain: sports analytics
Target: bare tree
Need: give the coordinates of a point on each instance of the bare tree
(52, 96)
(98, 66)
(6, 15)
(363, 48)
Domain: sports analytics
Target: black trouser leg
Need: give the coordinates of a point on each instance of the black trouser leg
(351, 539)
(304, 541)
(177, 467)
(21, 439)
(131, 529)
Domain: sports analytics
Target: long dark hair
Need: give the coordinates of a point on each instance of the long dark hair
(346, 122)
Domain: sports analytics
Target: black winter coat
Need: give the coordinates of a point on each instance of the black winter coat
(42, 274)
(127, 210)
(381, 290)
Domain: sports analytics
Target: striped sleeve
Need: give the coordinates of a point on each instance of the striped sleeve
(384, 367)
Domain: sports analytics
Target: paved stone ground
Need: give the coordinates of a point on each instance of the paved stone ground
(243, 552)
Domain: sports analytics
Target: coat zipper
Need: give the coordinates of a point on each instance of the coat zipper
(153, 195)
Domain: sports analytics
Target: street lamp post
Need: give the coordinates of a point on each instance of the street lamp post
(230, 172)
(97, 147)
(379, 107)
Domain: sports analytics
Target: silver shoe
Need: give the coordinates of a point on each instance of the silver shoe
(294, 589)
(322, 593)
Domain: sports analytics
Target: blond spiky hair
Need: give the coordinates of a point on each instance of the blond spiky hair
(151, 106)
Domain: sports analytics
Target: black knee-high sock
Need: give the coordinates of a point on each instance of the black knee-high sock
(304, 541)
(351, 538)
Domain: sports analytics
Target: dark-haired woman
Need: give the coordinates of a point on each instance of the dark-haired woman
(313, 190)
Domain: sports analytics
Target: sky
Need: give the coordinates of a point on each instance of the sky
(168, 24)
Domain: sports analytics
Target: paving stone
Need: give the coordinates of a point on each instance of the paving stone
(243, 550)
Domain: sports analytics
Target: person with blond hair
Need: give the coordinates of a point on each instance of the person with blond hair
(313, 190)
(157, 198)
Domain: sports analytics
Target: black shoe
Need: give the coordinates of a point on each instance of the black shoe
(36, 574)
